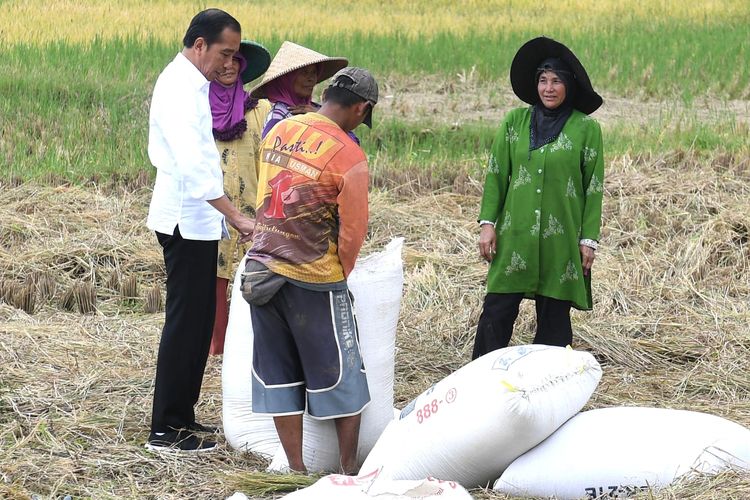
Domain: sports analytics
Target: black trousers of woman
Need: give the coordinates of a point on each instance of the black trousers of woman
(500, 312)
(188, 324)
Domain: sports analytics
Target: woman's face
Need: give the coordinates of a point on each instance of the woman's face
(229, 76)
(305, 81)
(551, 89)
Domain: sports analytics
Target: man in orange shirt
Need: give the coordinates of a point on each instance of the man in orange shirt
(311, 222)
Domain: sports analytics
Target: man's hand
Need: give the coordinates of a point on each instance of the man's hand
(234, 217)
(245, 226)
(587, 258)
(487, 242)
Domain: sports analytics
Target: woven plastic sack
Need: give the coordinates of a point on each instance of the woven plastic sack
(615, 452)
(376, 284)
(472, 424)
(370, 486)
(243, 429)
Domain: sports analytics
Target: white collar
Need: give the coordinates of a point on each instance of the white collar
(193, 75)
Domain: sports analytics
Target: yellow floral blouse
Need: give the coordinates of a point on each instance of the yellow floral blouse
(239, 164)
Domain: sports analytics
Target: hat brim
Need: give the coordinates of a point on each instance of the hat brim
(329, 67)
(258, 60)
(524, 67)
(368, 118)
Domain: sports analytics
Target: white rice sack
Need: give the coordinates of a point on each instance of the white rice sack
(472, 424)
(376, 283)
(237, 496)
(367, 487)
(243, 429)
(615, 452)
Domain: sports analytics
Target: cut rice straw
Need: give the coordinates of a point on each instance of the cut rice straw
(669, 326)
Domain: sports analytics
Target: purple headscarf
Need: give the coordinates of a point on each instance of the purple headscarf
(228, 106)
(281, 89)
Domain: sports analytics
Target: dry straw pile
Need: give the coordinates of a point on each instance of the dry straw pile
(670, 325)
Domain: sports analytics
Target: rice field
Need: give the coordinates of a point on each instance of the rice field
(671, 280)
(81, 22)
(76, 76)
(646, 47)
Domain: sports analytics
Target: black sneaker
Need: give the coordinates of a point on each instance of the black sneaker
(178, 442)
(206, 429)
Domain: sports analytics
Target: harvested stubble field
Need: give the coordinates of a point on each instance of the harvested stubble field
(672, 282)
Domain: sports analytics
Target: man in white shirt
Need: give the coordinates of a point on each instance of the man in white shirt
(188, 211)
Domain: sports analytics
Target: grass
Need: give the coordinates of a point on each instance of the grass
(114, 149)
(627, 57)
(76, 86)
(87, 120)
(437, 143)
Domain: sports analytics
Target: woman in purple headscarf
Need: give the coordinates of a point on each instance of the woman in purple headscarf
(289, 82)
(237, 124)
(291, 94)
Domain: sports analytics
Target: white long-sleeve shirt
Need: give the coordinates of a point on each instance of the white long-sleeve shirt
(181, 146)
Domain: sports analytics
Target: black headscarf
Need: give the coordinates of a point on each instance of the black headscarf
(546, 124)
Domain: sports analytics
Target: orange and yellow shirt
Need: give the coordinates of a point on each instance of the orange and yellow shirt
(312, 200)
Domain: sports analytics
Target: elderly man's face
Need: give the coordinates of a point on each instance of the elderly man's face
(216, 58)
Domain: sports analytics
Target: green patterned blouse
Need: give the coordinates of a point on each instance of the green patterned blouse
(543, 203)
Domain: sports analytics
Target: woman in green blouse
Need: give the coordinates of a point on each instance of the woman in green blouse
(541, 208)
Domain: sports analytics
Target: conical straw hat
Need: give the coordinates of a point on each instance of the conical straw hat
(291, 57)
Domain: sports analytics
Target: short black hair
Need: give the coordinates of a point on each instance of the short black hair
(341, 96)
(209, 25)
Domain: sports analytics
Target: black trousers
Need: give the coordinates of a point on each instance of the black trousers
(186, 337)
(500, 312)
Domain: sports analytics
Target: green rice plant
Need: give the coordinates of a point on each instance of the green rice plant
(446, 152)
(264, 484)
(79, 111)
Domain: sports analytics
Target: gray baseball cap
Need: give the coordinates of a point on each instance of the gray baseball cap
(358, 81)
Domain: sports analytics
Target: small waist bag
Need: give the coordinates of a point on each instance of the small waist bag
(259, 284)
